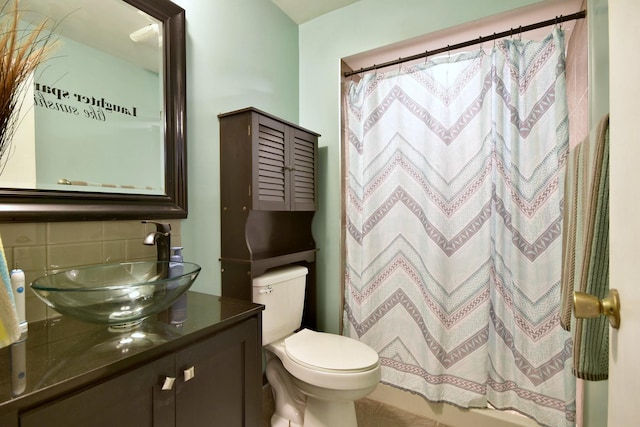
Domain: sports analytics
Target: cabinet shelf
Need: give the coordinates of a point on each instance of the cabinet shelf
(264, 261)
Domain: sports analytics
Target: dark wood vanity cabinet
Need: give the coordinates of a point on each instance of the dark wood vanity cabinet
(268, 194)
(215, 385)
(216, 372)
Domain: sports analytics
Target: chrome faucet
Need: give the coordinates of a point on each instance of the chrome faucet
(161, 238)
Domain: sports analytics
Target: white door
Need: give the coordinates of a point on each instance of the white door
(624, 357)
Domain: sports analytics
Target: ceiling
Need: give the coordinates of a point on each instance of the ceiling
(301, 11)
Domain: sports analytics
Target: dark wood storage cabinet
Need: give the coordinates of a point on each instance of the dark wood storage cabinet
(266, 164)
(268, 192)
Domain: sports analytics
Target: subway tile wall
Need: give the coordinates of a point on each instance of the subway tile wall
(45, 248)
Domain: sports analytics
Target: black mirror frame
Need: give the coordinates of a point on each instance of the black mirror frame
(18, 205)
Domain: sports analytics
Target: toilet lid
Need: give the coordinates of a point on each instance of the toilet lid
(330, 352)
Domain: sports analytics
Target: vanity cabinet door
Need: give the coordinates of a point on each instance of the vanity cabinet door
(133, 399)
(220, 379)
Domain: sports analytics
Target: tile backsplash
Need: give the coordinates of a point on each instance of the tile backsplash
(45, 248)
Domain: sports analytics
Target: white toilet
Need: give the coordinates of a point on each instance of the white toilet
(315, 376)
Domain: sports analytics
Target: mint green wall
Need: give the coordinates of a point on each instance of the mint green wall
(359, 27)
(596, 392)
(240, 53)
(598, 22)
(247, 52)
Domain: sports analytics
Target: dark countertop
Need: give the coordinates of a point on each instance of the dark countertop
(63, 354)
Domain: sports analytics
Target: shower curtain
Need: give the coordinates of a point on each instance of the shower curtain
(455, 171)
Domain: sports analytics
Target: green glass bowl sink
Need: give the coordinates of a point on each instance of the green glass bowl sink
(119, 294)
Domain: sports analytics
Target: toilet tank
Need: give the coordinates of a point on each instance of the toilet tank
(281, 291)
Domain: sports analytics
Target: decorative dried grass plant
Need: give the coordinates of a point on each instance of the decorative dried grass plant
(21, 51)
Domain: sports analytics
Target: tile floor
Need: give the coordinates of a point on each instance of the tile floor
(370, 413)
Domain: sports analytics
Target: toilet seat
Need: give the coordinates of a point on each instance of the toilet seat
(356, 375)
(329, 352)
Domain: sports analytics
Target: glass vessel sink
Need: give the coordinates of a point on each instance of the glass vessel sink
(119, 294)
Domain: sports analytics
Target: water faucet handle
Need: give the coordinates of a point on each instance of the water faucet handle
(164, 228)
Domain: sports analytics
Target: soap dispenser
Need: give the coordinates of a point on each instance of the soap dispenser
(178, 310)
(176, 257)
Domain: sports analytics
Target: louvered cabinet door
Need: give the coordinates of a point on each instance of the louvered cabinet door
(303, 153)
(267, 164)
(284, 171)
(271, 185)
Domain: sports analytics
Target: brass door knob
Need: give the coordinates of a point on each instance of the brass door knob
(587, 306)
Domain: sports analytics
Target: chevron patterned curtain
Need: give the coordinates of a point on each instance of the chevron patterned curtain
(454, 216)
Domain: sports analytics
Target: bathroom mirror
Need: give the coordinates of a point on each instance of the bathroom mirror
(129, 161)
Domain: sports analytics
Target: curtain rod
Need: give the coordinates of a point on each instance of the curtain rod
(558, 19)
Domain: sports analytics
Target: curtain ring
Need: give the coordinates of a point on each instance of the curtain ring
(520, 32)
(426, 55)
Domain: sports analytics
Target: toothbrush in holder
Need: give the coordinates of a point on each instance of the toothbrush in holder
(17, 284)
